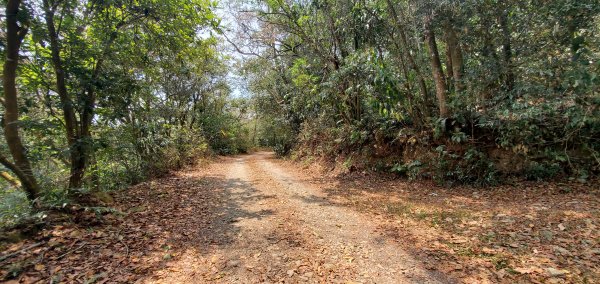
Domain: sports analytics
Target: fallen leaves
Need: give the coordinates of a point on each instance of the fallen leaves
(487, 237)
(525, 270)
(115, 247)
(553, 272)
(502, 238)
(39, 267)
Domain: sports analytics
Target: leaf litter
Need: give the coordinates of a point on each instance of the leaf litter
(180, 226)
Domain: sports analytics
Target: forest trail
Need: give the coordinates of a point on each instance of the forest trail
(268, 226)
(257, 219)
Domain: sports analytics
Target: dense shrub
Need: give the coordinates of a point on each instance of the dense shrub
(478, 83)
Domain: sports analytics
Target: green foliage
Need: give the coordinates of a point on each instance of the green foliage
(226, 134)
(277, 135)
(412, 170)
(470, 167)
(13, 207)
(541, 171)
(145, 77)
(149, 92)
(516, 76)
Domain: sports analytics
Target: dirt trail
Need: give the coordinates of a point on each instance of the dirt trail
(257, 219)
(270, 227)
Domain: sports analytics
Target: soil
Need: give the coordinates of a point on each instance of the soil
(257, 219)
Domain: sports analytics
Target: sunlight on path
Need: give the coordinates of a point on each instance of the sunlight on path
(272, 228)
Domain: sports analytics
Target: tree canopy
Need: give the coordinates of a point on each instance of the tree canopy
(474, 84)
(101, 94)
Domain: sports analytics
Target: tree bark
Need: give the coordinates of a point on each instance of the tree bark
(21, 175)
(73, 131)
(411, 59)
(509, 77)
(22, 167)
(455, 57)
(449, 70)
(415, 115)
(10, 179)
(436, 69)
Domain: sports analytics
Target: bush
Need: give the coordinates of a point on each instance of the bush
(471, 167)
(412, 170)
(13, 207)
(226, 134)
(540, 171)
(278, 135)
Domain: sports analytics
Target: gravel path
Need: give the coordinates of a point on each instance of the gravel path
(273, 228)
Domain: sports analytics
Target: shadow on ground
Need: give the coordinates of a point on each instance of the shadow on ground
(197, 215)
(164, 219)
(525, 232)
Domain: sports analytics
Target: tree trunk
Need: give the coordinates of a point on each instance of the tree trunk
(411, 59)
(418, 119)
(509, 77)
(14, 38)
(454, 53)
(457, 65)
(10, 179)
(436, 69)
(73, 130)
(449, 69)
